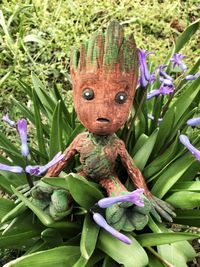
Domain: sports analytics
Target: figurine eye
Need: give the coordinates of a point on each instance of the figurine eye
(88, 94)
(121, 97)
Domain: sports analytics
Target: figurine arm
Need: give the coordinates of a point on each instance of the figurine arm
(69, 153)
(159, 208)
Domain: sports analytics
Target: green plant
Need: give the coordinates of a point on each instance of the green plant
(170, 170)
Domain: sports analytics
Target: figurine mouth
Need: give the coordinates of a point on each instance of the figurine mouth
(104, 120)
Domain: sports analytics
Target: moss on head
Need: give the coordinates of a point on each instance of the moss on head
(107, 51)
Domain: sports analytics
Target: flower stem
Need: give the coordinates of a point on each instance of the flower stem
(168, 264)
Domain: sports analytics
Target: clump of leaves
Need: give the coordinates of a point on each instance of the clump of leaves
(170, 169)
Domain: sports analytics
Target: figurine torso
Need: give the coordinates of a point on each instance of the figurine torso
(97, 155)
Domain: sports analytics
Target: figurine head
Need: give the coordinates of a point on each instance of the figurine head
(104, 75)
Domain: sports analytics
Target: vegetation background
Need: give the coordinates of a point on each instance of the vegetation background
(37, 35)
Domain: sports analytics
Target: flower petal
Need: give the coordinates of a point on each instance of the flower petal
(193, 122)
(22, 129)
(133, 197)
(186, 142)
(99, 219)
(15, 169)
(8, 120)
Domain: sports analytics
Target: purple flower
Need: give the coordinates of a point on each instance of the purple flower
(133, 197)
(99, 219)
(193, 122)
(22, 129)
(186, 142)
(177, 61)
(152, 118)
(165, 79)
(191, 77)
(145, 75)
(163, 90)
(8, 120)
(38, 170)
(16, 169)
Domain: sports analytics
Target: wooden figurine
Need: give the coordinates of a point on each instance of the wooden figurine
(104, 75)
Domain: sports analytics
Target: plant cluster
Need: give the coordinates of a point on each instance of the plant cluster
(161, 135)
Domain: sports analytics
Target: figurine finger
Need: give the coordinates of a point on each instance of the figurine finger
(155, 214)
(168, 208)
(163, 213)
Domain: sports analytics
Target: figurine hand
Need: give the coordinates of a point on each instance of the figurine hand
(160, 208)
(53, 201)
(127, 216)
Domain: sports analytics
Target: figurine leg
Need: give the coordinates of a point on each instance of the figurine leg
(124, 216)
(56, 202)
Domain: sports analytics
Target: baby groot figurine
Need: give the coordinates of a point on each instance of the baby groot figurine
(104, 75)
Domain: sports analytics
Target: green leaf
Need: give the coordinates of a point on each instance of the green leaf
(81, 262)
(56, 181)
(171, 175)
(55, 145)
(129, 255)
(140, 141)
(143, 154)
(39, 126)
(19, 232)
(161, 161)
(184, 200)
(43, 217)
(5, 206)
(178, 253)
(42, 93)
(89, 237)
(154, 239)
(52, 237)
(177, 109)
(186, 35)
(61, 256)
(188, 217)
(186, 186)
(14, 212)
(82, 191)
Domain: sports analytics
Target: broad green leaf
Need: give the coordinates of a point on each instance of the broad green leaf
(178, 253)
(56, 181)
(186, 35)
(42, 216)
(161, 161)
(14, 212)
(39, 126)
(148, 240)
(188, 217)
(108, 262)
(61, 256)
(52, 237)
(55, 145)
(184, 199)
(89, 237)
(82, 191)
(129, 255)
(6, 206)
(140, 142)
(81, 262)
(143, 154)
(171, 175)
(186, 186)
